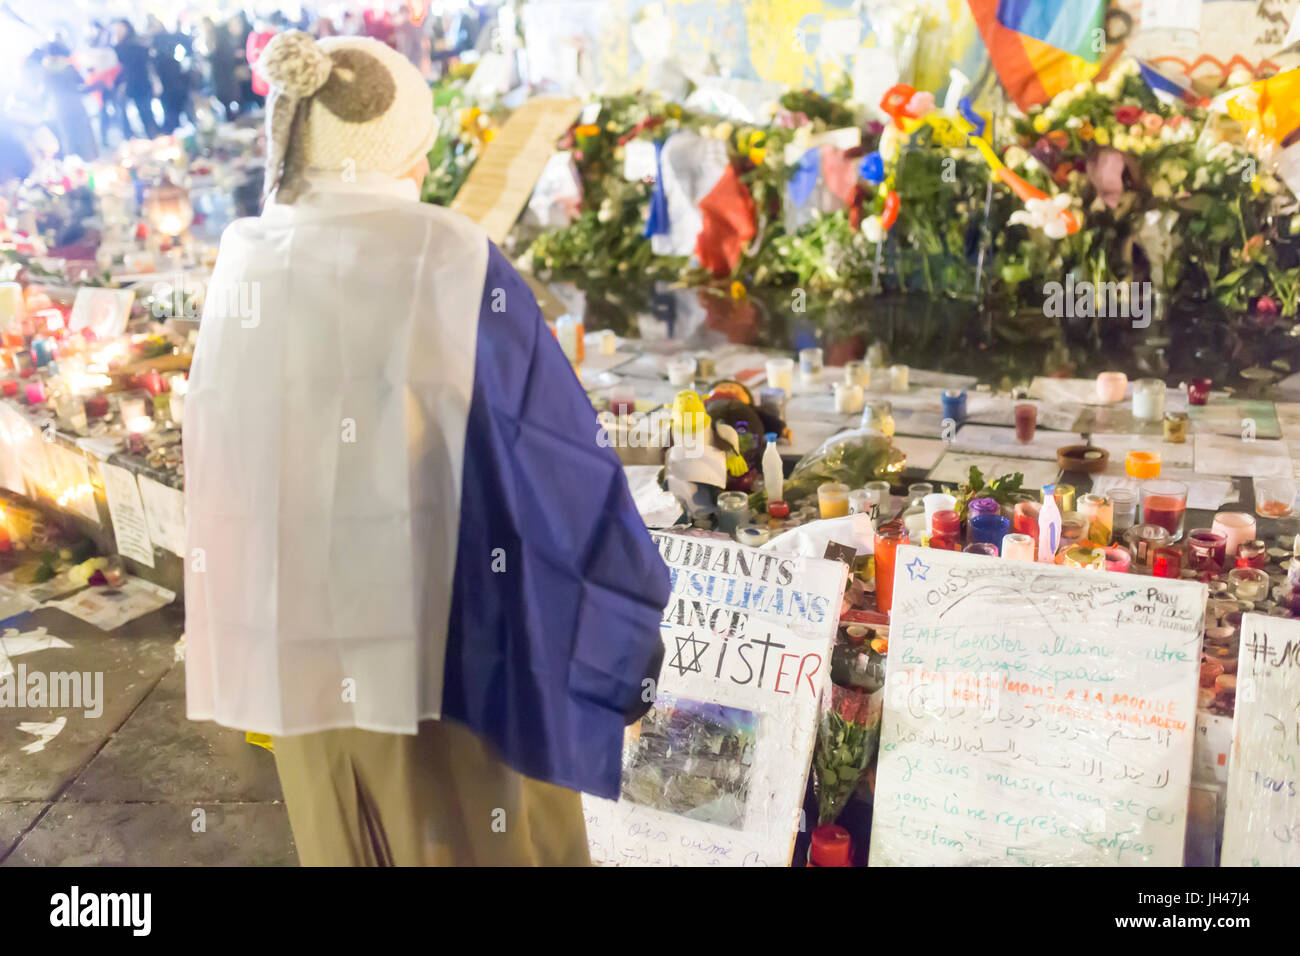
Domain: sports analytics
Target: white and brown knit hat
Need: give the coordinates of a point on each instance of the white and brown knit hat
(341, 103)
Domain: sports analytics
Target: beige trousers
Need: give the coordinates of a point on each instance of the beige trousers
(437, 798)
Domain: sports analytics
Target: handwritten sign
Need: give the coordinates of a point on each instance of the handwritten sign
(164, 510)
(1035, 715)
(501, 181)
(1261, 825)
(130, 527)
(714, 774)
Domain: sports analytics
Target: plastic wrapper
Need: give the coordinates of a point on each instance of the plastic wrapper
(852, 457)
(848, 732)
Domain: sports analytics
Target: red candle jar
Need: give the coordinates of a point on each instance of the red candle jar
(96, 406)
(945, 530)
(152, 382)
(1206, 549)
(888, 537)
(1025, 518)
(10, 388)
(1198, 391)
(1168, 563)
(1252, 554)
(831, 846)
(36, 392)
(11, 340)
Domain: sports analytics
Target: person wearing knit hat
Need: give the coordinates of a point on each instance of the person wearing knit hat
(414, 561)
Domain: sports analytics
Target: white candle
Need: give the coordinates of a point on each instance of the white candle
(11, 305)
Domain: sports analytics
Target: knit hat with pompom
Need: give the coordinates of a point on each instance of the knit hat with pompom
(345, 104)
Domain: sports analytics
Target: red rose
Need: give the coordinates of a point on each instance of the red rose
(1128, 115)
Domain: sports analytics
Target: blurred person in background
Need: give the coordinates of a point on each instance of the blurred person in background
(135, 81)
(239, 30)
(102, 71)
(170, 50)
(216, 52)
(63, 89)
(408, 39)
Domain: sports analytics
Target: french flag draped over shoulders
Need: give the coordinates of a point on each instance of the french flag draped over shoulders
(398, 507)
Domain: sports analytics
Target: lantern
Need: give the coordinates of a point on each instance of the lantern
(168, 209)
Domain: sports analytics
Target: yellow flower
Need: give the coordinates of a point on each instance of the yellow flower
(756, 156)
(489, 134)
(1040, 123)
(1086, 132)
(590, 129)
(738, 290)
(1101, 136)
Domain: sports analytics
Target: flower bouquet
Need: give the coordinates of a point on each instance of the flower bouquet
(847, 735)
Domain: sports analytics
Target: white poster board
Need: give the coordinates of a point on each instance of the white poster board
(714, 774)
(1035, 715)
(1261, 825)
(130, 527)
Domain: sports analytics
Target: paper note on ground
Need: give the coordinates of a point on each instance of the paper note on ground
(130, 527)
(954, 469)
(1261, 825)
(714, 774)
(1217, 454)
(1035, 715)
(1203, 491)
(108, 608)
(993, 440)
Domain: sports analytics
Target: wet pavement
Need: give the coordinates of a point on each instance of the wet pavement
(130, 782)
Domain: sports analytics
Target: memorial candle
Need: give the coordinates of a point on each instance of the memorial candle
(1111, 387)
(1018, 547)
(1236, 527)
(35, 392)
(10, 388)
(888, 537)
(1164, 503)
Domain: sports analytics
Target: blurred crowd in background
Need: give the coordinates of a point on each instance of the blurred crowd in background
(125, 79)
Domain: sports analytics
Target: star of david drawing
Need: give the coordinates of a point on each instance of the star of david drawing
(917, 569)
(696, 648)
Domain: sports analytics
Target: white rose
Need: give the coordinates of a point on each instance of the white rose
(872, 229)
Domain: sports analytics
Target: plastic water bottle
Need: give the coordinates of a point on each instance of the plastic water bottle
(773, 475)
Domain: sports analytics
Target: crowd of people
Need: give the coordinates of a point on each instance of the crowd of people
(123, 81)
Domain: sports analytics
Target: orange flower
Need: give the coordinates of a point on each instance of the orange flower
(1059, 138)
(590, 129)
(1152, 122)
(1085, 132)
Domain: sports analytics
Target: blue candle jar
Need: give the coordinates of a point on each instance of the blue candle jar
(989, 529)
(42, 352)
(954, 406)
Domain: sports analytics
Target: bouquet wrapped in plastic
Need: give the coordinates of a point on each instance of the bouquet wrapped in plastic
(847, 735)
(853, 457)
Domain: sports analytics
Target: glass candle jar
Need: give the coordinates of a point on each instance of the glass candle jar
(1252, 554)
(953, 405)
(879, 417)
(1274, 497)
(1123, 507)
(1111, 387)
(945, 530)
(915, 523)
(772, 401)
(1149, 400)
(849, 399)
(1024, 518)
(1026, 418)
(988, 529)
(733, 510)
(1207, 550)
(1248, 584)
(1176, 428)
(1236, 527)
(1074, 529)
(753, 535)
(1142, 464)
(1018, 547)
(1198, 391)
(860, 502)
(681, 371)
(1098, 511)
(1164, 503)
(1117, 558)
(780, 373)
(1167, 563)
(810, 366)
(1063, 493)
(937, 501)
(888, 537)
(916, 493)
(1081, 556)
(880, 498)
(982, 547)
(36, 393)
(898, 378)
(1142, 541)
(833, 499)
(857, 373)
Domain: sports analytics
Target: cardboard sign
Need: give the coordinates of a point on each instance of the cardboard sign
(714, 774)
(1035, 715)
(501, 181)
(130, 527)
(103, 311)
(1261, 825)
